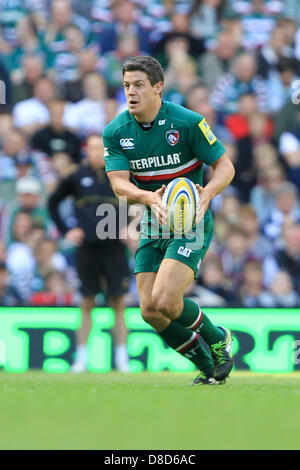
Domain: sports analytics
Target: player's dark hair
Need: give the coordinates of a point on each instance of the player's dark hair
(147, 64)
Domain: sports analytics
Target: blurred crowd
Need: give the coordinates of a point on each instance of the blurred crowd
(237, 62)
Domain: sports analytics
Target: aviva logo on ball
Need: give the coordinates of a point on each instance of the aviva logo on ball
(180, 199)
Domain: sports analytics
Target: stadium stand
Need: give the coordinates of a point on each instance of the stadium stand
(235, 61)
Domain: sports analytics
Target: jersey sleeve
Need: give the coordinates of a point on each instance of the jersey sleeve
(114, 157)
(204, 143)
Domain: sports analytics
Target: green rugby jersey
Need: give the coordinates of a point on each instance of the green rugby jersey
(177, 145)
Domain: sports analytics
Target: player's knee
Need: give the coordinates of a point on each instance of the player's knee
(150, 316)
(163, 302)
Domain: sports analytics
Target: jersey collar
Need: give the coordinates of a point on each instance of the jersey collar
(154, 122)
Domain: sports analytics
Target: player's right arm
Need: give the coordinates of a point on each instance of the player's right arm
(122, 187)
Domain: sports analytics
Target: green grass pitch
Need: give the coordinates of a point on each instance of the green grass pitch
(157, 411)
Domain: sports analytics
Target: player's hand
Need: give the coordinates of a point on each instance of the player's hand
(157, 206)
(205, 199)
(75, 235)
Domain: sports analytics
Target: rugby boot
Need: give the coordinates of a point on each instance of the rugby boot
(202, 379)
(222, 355)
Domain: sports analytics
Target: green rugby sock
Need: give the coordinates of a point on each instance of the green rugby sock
(194, 319)
(187, 343)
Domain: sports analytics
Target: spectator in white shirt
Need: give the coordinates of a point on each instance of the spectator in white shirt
(88, 115)
(242, 80)
(289, 147)
(33, 113)
(20, 260)
(262, 195)
(281, 293)
(286, 208)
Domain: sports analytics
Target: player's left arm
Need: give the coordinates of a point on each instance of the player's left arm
(223, 173)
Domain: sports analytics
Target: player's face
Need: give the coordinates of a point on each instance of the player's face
(142, 97)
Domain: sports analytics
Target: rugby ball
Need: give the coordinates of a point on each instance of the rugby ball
(180, 199)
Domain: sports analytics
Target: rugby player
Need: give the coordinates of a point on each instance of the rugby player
(155, 141)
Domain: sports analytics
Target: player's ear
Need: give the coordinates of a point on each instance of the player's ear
(158, 87)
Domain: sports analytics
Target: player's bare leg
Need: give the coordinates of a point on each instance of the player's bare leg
(172, 279)
(161, 300)
(145, 283)
(120, 334)
(82, 334)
